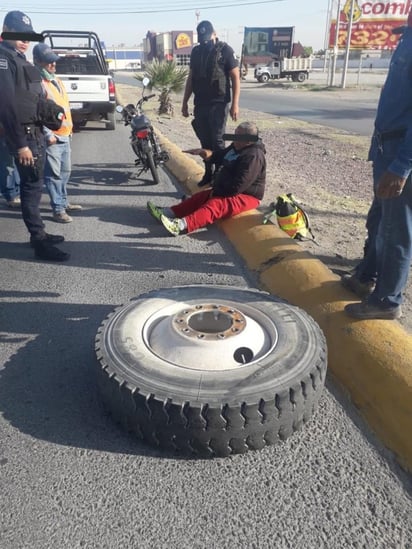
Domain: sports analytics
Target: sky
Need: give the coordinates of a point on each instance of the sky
(307, 16)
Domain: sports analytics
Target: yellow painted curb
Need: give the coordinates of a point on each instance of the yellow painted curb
(372, 359)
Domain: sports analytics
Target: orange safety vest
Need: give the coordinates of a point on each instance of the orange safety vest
(62, 99)
(294, 224)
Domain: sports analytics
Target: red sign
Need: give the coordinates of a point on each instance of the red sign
(376, 35)
(372, 23)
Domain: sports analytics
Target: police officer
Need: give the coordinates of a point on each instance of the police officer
(20, 84)
(213, 68)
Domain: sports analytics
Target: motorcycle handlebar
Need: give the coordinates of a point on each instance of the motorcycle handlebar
(147, 97)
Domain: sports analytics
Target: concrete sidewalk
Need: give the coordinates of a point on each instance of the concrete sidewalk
(371, 359)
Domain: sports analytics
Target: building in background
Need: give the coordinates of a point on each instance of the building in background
(168, 46)
(124, 58)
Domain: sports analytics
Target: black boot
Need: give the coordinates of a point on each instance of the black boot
(208, 176)
(45, 250)
(50, 238)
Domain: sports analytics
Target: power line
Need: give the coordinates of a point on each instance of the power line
(127, 11)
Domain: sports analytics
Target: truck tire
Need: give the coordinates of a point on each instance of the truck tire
(210, 370)
(300, 77)
(263, 78)
(111, 124)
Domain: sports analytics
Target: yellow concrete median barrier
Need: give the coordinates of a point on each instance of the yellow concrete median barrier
(371, 359)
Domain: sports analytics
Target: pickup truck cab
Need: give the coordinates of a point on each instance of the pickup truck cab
(83, 69)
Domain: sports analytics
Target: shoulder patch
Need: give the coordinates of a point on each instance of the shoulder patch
(4, 64)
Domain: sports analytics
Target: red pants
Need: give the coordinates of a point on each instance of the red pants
(202, 209)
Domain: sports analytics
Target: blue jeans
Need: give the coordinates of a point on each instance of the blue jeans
(57, 170)
(9, 176)
(389, 223)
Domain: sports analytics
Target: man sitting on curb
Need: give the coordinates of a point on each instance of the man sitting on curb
(238, 186)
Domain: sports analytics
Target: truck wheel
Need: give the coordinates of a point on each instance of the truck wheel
(210, 370)
(301, 77)
(263, 78)
(111, 124)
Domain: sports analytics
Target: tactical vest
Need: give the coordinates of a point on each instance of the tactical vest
(208, 73)
(33, 107)
(28, 87)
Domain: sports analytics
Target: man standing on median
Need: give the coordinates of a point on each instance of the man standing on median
(213, 72)
(238, 186)
(382, 274)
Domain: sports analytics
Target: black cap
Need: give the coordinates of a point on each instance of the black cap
(204, 31)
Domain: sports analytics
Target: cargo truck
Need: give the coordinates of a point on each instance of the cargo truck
(295, 68)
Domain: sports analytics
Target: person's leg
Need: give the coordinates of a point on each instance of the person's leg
(203, 127)
(31, 186)
(219, 208)
(54, 178)
(191, 204)
(218, 114)
(389, 250)
(394, 248)
(9, 177)
(366, 270)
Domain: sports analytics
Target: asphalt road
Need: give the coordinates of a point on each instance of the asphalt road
(349, 109)
(344, 109)
(70, 477)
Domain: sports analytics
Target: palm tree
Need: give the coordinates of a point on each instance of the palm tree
(168, 78)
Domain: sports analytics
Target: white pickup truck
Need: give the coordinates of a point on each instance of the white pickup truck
(296, 68)
(83, 69)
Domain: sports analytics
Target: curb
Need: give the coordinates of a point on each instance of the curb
(371, 359)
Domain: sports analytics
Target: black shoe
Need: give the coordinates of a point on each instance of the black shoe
(50, 238)
(45, 250)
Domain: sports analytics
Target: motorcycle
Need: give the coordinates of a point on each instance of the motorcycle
(149, 155)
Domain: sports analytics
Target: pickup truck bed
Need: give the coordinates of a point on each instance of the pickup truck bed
(84, 72)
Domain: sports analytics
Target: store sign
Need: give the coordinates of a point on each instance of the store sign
(182, 41)
(372, 24)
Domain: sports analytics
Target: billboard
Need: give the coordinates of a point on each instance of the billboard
(372, 24)
(262, 44)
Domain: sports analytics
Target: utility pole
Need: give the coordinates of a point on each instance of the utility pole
(347, 50)
(335, 47)
(327, 32)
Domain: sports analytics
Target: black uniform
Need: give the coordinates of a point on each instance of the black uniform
(210, 64)
(20, 85)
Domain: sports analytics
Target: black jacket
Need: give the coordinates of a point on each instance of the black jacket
(20, 85)
(241, 172)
